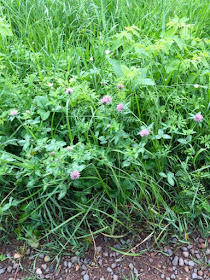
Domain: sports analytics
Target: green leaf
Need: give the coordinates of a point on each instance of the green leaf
(170, 177)
(116, 67)
(43, 114)
(42, 102)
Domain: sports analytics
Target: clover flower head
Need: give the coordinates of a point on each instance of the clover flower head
(120, 107)
(75, 175)
(107, 99)
(69, 90)
(144, 132)
(14, 112)
(198, 117)
(120, 86)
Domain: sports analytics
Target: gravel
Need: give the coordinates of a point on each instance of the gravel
(175, 261)
(185, 254)
(38, 271)
(191, 263)
(181, 262)
(109, 269)
(86, 277)
(194, 275)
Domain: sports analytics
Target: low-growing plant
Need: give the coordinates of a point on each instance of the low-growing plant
(105, 136)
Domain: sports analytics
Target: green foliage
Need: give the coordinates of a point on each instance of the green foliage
(160, 180)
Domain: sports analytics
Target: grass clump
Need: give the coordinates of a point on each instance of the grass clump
(104, 121)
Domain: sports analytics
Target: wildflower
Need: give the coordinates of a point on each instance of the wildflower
(144, 132)
(52, 154)
(75, 175)
(102, 83)
(91, 58)
(107, 99)
(198, 117)
(14, 113)
(120, 86)
(50, 85)
(120, 107)
(69, 148)
(107, 51)
(196, 86)
(28, 112)
(69, 90)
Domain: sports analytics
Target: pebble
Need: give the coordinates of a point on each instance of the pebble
(181, 262)
(38, 271)
(65, 264)
(109, 269)
(9, 269)
(98, 249)
(84, 267)
(41, 256)
(135, 271)
(44, 266)
(184, 249)
(131, 266)
(28, 252)
(198, 256)
(175, 261)
(170, 252)
(100, 262)
(200, 273)
(194, 275)
(105, 254)
(74, 259)
(86, 277)
(162, 276)
(173, 276)
(2, 270)
(115, 277)
(168, 278)
(191, 263)
(185, 254)
(186, 268)
(68, 278)
(69, 264)
(150, 260)
(113, 265)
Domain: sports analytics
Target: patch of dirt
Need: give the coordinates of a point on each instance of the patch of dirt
(180, 261)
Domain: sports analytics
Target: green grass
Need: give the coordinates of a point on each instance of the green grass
(159, 50)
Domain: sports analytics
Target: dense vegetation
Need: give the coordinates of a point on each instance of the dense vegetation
(104, 119)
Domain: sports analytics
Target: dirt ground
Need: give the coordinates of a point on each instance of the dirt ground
(103, 261)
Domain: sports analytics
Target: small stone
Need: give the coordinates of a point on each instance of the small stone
(135, 271)
(44, 266)
(170, 269)
(100, 262)
(203, 245)
(200, 273)
(9, 269)
(113, 265)
(105, 254)
(98, 249)
(184, 249)
(208, 252)
(175, 261)
(150, 260)
(28, 252)
(15, 266)
(109, 269)
(181, 262)
(69, 264)
(192, 251)
(185, 254)
(198, 256)
(115, 277)
(191, 263)
(2, 270)
(194, 275)
(41, 256)
(74, 259)
(17, 256)
(68, 278)
(46, 258)
(170, 252)
(86, 277)
(168, 278)
(11, 278)
(186, 268)
(65, 264)
(38, 271)
(131, 266)
(173, 276)
(84, 267)
(162, 276)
